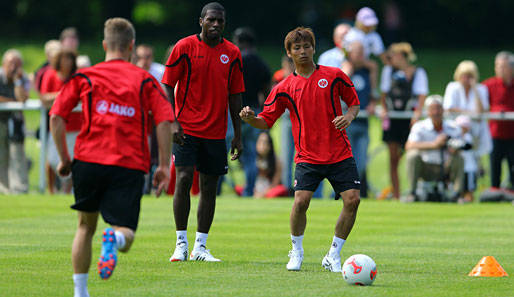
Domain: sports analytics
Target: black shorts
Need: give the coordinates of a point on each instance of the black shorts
(398, 132)
(341, 175)
(114, 191)
(209, 156)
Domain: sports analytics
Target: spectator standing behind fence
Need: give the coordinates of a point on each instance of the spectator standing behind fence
(465, 95)
(335, 56)
(428, 156)
(501, 99)
(404, 87)
(366, 22)
(354, 67)
(52, 47)
(14, 86)
(257, 81)
(286, 134)
(63, 67)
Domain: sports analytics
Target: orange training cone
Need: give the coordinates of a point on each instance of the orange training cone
(488, 266)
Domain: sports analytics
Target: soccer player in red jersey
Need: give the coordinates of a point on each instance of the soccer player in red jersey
(111, 151)
(205, 71)
(312, 94)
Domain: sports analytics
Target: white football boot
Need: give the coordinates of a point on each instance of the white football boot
(295, 261)
(180, 253)
(202, 254)
(332, 263)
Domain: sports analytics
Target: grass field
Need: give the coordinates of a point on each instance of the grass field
(420, 250)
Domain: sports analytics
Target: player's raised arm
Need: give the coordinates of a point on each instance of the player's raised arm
(248, 115)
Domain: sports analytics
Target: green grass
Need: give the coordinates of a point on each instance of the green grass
(420, 250)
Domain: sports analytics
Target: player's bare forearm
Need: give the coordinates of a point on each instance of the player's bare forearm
(235, 102)
(58, 130)
(163, 132)
(343, 121)
(161, 176)
(248, 116)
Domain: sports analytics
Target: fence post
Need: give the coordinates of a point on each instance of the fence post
(43, 137)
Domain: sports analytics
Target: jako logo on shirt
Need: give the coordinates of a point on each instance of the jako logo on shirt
(224, 59)
(126, 111)
(322, 83)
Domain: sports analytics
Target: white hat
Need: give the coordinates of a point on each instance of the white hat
(367, 17)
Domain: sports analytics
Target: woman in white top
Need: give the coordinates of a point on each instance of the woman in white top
(404, 87)
(465, 96)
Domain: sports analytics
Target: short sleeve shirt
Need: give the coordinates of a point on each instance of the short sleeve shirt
(424, 131)
(313, 103)
(51, 83)
(501, 98)
(117, 99)
(204, 78)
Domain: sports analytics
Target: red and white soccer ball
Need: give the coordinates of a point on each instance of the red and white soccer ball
(359, 270)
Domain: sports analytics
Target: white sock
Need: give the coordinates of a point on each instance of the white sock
(297, 242)
(182, 236)
(201, 239)
(120, 240)
(337, 245)
(80, 281)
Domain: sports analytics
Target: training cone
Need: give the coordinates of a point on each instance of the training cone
(488, 266)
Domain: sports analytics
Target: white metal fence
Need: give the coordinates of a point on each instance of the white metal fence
(35, 104)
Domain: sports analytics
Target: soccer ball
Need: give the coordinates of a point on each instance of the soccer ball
(359, 270)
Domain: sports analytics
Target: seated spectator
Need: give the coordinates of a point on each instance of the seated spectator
(63, 67)
(14, 86)
(469, 155)
(404, 87)
(501, 94)
(428, 155)
(267, 183)
(465, 95)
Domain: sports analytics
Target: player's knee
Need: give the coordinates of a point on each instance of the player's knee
(351, 199)
(185, 178)
(301, 203)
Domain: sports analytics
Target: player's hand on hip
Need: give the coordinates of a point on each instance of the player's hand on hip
(64, 168)
(161, 180)
(236, 149)
(247, 114)
(341, 122)
(177, 132)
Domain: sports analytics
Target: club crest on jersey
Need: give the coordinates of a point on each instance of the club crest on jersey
(322, 83)
(224, 59)
(102, 107)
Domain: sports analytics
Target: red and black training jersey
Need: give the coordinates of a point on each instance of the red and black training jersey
(313, 103)
(206, 76)
(117, 98)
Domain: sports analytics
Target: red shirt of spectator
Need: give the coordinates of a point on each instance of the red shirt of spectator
(313, 103)
(115, 112)
(206, 77)
(501, 99)
(51, 83)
